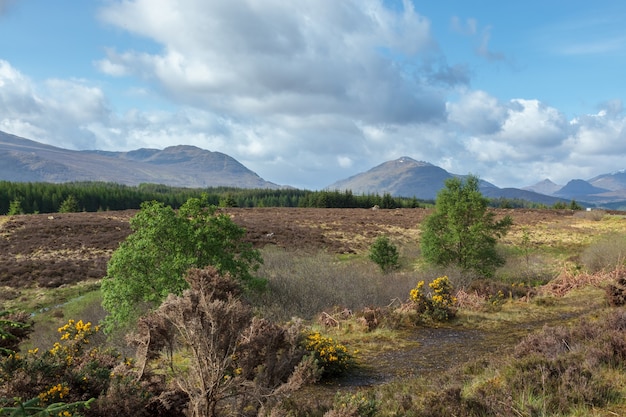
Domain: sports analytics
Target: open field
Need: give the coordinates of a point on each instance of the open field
(51, 266)
(52, 250)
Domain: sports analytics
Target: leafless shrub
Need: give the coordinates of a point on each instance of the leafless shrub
(606, 253)
(233, 361)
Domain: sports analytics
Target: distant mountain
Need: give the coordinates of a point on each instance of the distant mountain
(546, 187)
(606, 190)
(401, 177)
(24, 160)
(615, 181)
(406, 177)
(578, 189)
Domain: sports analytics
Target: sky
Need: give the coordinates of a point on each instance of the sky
(309, 92)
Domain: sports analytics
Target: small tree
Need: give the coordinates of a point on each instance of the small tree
(151, 262)
(69, 205)
(15, 207)
(384, 254)
(462, 231)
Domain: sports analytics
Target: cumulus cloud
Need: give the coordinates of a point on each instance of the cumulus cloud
(293, 58)
(54, 111)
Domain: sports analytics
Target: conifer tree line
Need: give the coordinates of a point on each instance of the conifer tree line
(42, 197)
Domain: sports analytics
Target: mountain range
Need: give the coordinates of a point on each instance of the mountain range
(25, 160)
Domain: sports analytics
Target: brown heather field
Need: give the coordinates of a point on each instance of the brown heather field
(52, 250)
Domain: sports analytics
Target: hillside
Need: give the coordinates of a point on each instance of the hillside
(24, 160)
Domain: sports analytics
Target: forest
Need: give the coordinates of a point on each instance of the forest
(29, 198)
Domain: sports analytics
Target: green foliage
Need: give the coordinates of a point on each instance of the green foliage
(151, 262)
(573, 205)
(384, 254)
(354, 405)
(462, 231)
(69, 205)
(33, 408)
(15, 207)
(14, 328)
(438, 305)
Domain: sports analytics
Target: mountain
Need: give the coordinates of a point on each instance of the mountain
(546, 187)
(578, 189)
(401, 177)
(615, 181)
(407, 177)
(24, 160)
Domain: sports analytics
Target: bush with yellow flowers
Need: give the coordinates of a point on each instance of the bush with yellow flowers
(332, 356)
(62, 379)
(439, 304)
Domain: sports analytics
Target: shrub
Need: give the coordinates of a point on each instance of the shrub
(606, 253)
(14, 328)
(304, 285)
(616, 291)
(232, 360)
(165, 243)
(384, 254)
(354, 405)
(75, 373)
(332, 356)
(439, 304)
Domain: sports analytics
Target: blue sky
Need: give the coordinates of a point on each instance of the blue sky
(309, 92)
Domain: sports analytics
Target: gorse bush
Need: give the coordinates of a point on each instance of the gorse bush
(69, 377)
(332, 356)
(232, 360)
(439, 304)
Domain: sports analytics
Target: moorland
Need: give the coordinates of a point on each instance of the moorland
(542, 337)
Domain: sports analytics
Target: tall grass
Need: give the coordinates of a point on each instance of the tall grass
(304, 285)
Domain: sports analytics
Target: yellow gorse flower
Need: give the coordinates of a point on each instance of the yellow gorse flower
(56, 392)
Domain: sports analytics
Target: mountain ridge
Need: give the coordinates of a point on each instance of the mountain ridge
(24, 160)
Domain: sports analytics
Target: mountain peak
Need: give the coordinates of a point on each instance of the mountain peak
(409, 160)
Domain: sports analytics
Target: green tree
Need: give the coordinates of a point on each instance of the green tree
(384, 254)
(152, 261)
(69, 205)
(15, 207)
(462, 231)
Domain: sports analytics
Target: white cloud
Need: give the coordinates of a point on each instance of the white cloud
(308, 57)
